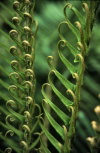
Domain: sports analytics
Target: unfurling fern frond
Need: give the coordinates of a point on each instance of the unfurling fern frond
(94, 142)
(21, 113)
(64, 124)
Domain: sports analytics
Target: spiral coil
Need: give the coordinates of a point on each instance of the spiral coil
(22, 106)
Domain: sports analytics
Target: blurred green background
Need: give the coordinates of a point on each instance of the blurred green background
(49, 13)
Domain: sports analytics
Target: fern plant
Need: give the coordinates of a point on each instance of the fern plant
(21, 113)
(21, 119)
(83, 34)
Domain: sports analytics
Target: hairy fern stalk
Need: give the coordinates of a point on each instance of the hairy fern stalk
(21, 119)
(81, 30)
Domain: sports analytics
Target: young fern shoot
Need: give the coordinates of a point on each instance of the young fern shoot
(94, 142)
(22, 120)
(81, 30)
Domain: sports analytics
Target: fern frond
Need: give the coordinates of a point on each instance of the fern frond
(76, 66)
(20, 110)
(94, 142)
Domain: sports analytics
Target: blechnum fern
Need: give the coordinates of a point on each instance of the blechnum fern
(22, 119)
(82, 32)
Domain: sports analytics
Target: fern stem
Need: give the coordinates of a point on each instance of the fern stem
(91, 18)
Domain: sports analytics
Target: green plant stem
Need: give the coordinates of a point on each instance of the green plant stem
(90, 19)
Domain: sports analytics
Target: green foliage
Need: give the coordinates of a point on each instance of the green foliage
(20, 115)
(77, 54)
(56, 123)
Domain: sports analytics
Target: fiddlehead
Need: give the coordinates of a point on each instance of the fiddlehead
(94, 142)
(76, 66)
(21, 120)
(8, 150)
